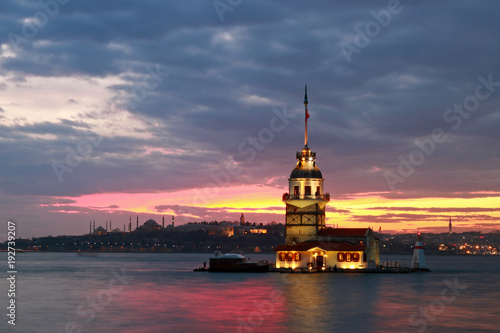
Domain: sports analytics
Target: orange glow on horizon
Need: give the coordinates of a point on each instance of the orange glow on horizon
(357, 210)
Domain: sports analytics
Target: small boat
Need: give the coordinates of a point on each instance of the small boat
(234, 262)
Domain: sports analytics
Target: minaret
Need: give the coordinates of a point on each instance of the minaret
(110, 226)
(137, 223)
(418, 260)
(90, 228)
(94, 225)
(305, 201)
(163, 221)
(130, 224)
(106, 226)
(449, 227)
(173, 222)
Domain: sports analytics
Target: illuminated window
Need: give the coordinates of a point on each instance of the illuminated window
(282, 256)
(297, 256)
(290, 256)
(307, 190)
(348, 257)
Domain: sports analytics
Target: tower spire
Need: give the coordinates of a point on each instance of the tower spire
(307, 116)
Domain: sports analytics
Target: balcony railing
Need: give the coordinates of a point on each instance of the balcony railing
(324, 196)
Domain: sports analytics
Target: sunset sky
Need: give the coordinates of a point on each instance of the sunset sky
(194, 108)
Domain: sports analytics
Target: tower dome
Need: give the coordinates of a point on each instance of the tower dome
(306, 166)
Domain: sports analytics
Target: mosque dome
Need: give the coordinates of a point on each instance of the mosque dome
(150, 222)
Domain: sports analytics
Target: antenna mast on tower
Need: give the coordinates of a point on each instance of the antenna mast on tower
(307, 116)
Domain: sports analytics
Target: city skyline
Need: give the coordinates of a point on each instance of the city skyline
(111, 110)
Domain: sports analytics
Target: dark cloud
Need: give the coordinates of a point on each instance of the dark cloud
(417, 218)
(190, 210)
(438, 209)
(110, 206)
(340, 211)
(394, 218)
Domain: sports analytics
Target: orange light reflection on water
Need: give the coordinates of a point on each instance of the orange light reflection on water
(251, 305)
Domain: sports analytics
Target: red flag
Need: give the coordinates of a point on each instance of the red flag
(307, 114)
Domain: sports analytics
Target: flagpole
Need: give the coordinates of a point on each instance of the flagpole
(306, 114)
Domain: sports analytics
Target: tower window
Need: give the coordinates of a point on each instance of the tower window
(307, 190)
(296, 190)
(317, 190)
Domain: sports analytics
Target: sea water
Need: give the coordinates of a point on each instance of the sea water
(140, 292)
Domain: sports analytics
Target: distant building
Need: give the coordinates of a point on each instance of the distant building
(100, 231)
(151, 225)
(308, 243)
(258, 231)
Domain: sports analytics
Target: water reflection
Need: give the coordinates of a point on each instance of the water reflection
(329, 302)
(165, 295)
(215, 303)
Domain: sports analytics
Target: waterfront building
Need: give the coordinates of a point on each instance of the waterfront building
(308, 242)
